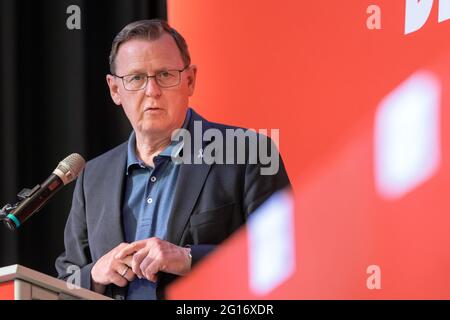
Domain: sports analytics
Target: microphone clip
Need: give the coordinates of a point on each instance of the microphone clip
(26, 192)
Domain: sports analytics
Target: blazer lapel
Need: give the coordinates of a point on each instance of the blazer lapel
(191, 179)
(114, 183)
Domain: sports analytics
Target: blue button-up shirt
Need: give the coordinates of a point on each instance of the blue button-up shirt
(147, 203)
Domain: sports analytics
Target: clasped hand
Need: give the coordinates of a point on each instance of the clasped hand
(143, 258)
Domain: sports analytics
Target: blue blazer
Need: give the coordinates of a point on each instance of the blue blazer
(211, 202)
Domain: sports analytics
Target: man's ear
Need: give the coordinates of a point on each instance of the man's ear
(113, 89)
(191, 76)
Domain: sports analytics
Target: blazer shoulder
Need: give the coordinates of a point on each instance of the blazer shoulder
(212, 125)
(108, 158)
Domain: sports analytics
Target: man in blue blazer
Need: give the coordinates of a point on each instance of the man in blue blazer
(148, 210)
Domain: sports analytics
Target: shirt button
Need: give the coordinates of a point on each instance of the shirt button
(153, 179)
(149, 200)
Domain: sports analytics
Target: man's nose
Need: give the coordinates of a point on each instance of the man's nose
(152, 89)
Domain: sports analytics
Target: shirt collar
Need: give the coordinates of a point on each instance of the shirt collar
(132, 158)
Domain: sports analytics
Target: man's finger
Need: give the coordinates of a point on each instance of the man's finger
(143, 266)
(153, 277)
(129, 275)
(127, 260)
(128, 250)
(118, 280)
(151, 271)
(122, 245)
(136, 262)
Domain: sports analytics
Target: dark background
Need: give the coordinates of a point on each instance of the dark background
(55, 101)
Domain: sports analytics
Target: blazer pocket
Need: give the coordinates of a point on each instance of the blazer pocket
(212, 226)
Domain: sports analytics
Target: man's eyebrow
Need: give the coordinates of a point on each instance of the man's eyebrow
(164, 69)
(141, 71)
(136, 71)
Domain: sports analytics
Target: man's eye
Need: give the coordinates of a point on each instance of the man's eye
(165, 74)
(136, 77)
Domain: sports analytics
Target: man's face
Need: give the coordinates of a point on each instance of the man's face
(153, 110)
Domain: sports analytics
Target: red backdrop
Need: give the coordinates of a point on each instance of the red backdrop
(315, 71)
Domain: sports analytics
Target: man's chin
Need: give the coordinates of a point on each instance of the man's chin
(160, 131)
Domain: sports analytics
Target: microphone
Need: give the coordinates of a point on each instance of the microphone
(32, 200)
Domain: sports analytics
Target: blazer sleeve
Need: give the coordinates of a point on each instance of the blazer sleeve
(257, 188)
(77, 257)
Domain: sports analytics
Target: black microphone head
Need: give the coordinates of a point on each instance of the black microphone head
(69, 168)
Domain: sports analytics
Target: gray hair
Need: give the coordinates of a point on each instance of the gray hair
(150, 30)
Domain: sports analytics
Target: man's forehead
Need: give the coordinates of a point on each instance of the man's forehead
(139, 46)
(136, 52)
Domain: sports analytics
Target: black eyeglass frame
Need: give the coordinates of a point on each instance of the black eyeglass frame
(154, 76)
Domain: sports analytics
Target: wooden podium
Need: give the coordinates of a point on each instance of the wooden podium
(21, 283)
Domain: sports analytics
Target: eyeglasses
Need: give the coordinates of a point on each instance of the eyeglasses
(165, 79)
